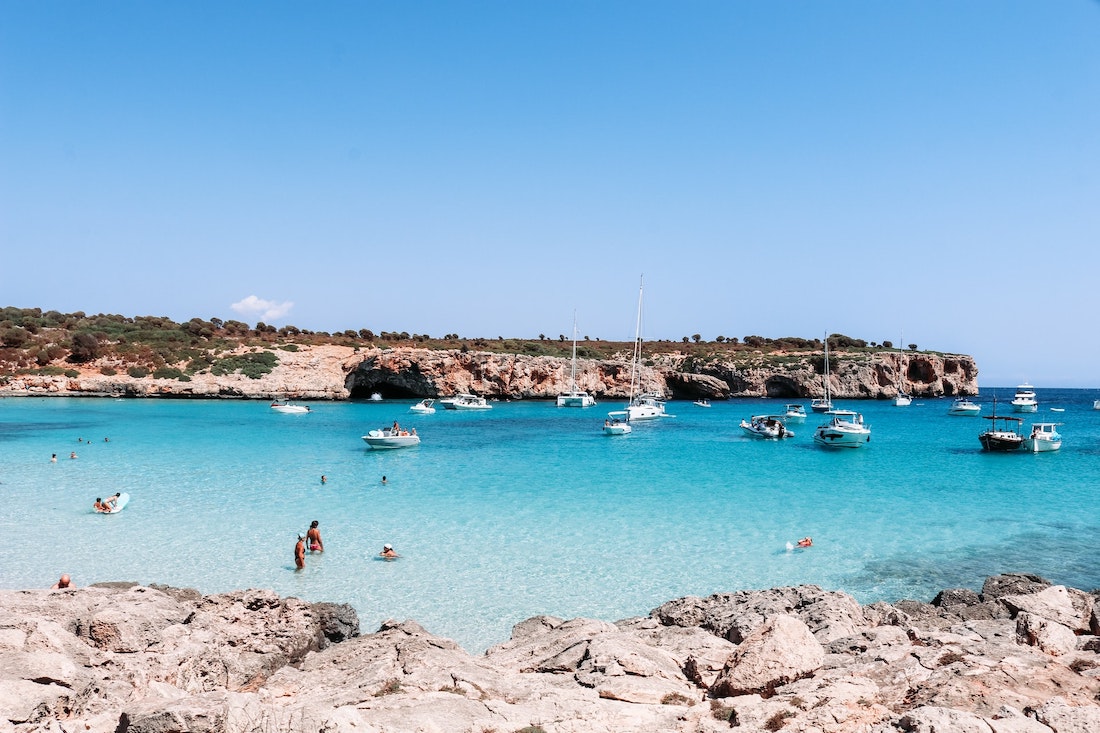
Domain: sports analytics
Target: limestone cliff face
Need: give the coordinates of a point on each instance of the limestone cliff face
(339, 372)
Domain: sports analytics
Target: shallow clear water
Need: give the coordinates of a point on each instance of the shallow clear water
(529, 508)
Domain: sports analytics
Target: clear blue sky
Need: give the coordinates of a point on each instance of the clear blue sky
(781, 168)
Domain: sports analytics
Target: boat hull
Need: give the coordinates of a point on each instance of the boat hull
(1025, 407)
(831, 437)
(1000, 441)
(290, 409)
(617, 429)
(1042, 445)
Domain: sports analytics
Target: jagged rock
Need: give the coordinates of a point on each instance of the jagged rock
(934, 720)
(1050, 636)
(1012, 584)
(1069, 607)
(735, 616)
(956, 597)
(779, 652)
(252, 661)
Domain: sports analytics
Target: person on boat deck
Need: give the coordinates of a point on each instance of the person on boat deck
(112, 501)
(300, 553)
(388, 552)
(314, 537)
(396, 427)
(99, 506)
(805, 542)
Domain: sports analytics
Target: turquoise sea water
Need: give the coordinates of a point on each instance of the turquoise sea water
(529, 508)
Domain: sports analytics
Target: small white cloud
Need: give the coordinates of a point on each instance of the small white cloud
(264, 310)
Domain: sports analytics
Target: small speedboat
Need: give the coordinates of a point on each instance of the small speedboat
(903, 399)
(1044, 437)
(376, 397)
(794, 413)
(964, 408)
(702, 403)
(424, 407)
(844, 430)
(390, 438)
(766, 426)
(288, 408)
(616, 424)
(821, 405)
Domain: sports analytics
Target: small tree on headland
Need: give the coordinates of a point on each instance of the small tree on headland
(85, 347)
(912, 347)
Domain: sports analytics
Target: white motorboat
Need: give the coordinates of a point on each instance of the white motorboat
(385, 438)
(766, 426)
(1044, 437)
(844, 430)
(575, 397)
(616, 424)
(702, 403)
(376, 397)
(794, 413)
(424, 407)
(286, 407)
(824, 404)
(1025, 401)
(903, 399)
(466, 402)
(963, 407)
(1096, 404)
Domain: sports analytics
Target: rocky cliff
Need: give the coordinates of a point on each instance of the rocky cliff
(337, 372)
(1021, 656)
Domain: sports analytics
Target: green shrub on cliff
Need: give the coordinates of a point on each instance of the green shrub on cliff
(253, 365)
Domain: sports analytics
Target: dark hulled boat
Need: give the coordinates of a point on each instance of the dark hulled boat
(1007, 437)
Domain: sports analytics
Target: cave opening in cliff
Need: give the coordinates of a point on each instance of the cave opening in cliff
(388, 392)
(781, 387)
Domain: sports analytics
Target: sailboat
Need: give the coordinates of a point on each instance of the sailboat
(646, 406)
(575, 397)
(824, 404)
(903, 398)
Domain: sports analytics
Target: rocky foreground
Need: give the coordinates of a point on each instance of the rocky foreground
(1022, 656)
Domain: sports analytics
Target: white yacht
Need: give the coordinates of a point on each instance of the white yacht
(1044, 437)
(766, 426)
(1025, 401)
(575, 397)
(844, 430)
(903, 399)
(424, 407)
(964, 408)
(467, 402)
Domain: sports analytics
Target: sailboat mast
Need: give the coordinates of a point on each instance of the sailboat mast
(637, 355)
(573, 373)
